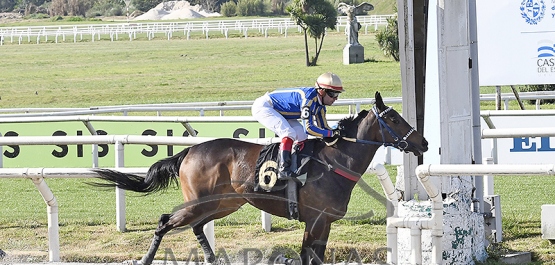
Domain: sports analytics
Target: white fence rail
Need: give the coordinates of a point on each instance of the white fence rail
(130, 30)
(222, 106)
(37, 175)
(435, 222)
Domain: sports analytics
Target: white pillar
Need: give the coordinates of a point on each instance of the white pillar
(266, 221)
(53, 226)
(120, 193)
(208, 230)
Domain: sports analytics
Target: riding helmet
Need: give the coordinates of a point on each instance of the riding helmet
(330, 81)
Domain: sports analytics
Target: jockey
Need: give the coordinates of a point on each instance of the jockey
(281, 110)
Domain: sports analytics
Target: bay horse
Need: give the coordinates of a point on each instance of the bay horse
(218, 177)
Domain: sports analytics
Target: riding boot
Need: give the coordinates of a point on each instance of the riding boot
(285, 159)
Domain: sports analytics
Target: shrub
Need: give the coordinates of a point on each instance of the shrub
(37, 16)
(228, 9)
(145, 5)
(531, 88)
(106, 8)
(56, 18)
(74, 19)
(388, 39)
(91, 13)
(250, 8)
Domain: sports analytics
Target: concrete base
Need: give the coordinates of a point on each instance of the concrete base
(548, 221)
(517, 258)
(463, 233)
(353, 54)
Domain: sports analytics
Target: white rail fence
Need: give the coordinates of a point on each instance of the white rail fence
(435, 222)
(355, 106)
(494, 133)
(37, 175)
(130, 31)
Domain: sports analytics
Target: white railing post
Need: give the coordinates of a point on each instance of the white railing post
(488, 179)
(266, 221)
(209, 233)
(52, 212)
(120, 193)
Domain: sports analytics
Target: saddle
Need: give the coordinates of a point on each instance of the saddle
(266, 173)
(266, 177)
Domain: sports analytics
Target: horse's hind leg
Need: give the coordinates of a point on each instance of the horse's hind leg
(166, 223)
(158, 234)
(197, 230)
(204, 244)
(196, 216)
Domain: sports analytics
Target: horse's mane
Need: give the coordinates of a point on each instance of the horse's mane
(349, 124)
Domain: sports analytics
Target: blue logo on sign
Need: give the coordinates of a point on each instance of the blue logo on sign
(525, 144)
(546, 51)
(532, 11)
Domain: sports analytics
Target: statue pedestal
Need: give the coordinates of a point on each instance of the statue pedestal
(353, 54)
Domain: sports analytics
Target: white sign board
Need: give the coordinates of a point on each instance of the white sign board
(516, 42)
(522, 150)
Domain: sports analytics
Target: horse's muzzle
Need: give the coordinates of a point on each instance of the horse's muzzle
(417, 150)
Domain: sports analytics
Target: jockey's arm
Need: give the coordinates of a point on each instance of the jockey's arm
(316, 124)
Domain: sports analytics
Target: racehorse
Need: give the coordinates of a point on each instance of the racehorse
(217, 177)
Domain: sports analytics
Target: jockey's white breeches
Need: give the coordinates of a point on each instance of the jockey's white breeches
(263, 111)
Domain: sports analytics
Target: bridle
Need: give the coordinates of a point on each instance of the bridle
(399, 142)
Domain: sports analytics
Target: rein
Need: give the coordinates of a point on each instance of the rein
(400, 143)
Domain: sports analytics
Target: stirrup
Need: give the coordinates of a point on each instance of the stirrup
(286, 176)
(292, 176)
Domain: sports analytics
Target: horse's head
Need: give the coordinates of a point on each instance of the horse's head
(386, 127)
(395, 131)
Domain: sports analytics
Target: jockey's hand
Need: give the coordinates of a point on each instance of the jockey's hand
(338, 133)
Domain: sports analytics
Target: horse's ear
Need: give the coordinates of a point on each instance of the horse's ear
(379, 101)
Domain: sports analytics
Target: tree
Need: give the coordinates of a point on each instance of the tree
(145, 5)
(388, 38)
(7, 5)
(313, 16)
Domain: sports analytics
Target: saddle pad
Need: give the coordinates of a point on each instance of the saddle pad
(266, 171)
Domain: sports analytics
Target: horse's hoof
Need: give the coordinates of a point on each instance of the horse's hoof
(281, 259)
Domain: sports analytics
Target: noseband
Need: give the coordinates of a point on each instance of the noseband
(399, 143)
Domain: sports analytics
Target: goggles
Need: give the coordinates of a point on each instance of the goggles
(332, 94)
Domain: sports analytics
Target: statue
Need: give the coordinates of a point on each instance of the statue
(353, 51)
(352, 28)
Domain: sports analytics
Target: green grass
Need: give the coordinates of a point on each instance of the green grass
(89, 220)
(98, 73)
(108, 73)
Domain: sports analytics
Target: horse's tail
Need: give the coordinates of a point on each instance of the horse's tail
(159, 176)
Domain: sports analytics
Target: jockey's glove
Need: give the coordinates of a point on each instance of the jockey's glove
(338, 133)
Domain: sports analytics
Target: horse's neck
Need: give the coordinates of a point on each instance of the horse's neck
(358, 155)
(362, 154)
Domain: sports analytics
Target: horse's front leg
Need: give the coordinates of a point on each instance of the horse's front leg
(314, 242)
